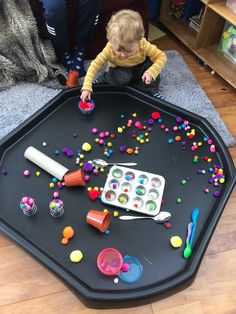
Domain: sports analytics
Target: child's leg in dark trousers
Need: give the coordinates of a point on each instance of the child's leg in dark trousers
(117, 76)
(55, 15)
(121, 76)
(87, 19)
(138, 83)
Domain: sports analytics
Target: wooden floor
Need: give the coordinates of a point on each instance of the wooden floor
(26, 286)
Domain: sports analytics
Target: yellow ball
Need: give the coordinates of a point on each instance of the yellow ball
(116, 214)
(176, 241)
(120, 130)
(76, 256)
(37, 173)
(51, 185)
(105, 210)
(86, 147)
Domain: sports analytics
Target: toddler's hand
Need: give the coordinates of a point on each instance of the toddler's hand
(147, 78)
(85, 94)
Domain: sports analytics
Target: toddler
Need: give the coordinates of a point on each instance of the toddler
(132, 60)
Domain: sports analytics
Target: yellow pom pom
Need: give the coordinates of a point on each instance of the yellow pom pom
(51, 185)
(76, 256)
(37, 173)
(176, 241)
(86, 147)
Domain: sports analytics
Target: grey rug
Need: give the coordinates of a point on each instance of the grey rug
(178, 85)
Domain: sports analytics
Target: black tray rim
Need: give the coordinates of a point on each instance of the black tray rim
(138, 294)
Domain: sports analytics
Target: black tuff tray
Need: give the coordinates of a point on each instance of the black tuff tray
(164, 267)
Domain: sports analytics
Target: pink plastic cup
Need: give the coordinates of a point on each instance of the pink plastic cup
(109, 262)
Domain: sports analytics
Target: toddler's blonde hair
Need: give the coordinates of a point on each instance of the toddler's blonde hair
(125, 29)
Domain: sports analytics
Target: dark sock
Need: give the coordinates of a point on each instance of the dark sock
(66, 60)
(78, 62)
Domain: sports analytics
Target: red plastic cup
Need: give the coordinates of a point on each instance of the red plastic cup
(98, 219)
(75, 178)
(109, 262)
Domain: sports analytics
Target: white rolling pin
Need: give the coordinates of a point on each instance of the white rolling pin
(45, 162)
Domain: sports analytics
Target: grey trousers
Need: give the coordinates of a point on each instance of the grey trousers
(132, 76)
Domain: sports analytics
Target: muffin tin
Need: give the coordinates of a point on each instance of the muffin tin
(134, 190)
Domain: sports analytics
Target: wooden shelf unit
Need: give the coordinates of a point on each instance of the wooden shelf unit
(204, 43)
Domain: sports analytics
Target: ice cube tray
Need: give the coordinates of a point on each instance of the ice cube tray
(134, 190)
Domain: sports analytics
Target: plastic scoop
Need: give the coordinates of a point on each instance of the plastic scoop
(195, 214)
(188, 249)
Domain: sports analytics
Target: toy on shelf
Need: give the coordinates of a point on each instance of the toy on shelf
(228, 42)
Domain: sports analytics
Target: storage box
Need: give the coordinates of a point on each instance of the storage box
(228, 42)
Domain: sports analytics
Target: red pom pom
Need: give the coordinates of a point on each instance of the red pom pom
(191, 136)
(167, 225)
(83, 104)
(156, 115)
(94, 194)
